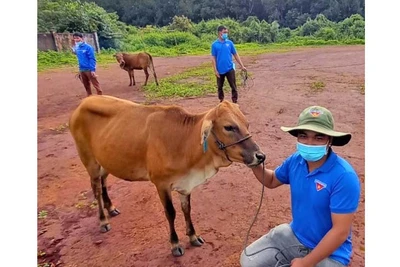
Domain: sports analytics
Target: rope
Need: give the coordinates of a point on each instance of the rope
(255, 217)
(280, 262)
(244, 76)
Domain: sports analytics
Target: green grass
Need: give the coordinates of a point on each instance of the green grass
(42, 214)
(317, 86)
(54, 60)
(196, 81)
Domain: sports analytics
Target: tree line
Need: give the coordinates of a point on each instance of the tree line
(288, 13)
(76, 15)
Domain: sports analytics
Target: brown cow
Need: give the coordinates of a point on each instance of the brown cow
(166, 145)
(141, 61)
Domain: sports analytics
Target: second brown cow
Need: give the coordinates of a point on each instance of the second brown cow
(141, 61)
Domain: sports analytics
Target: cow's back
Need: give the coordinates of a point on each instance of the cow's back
(136, 61)
(95, 111)
(111, 131)
(130, 140)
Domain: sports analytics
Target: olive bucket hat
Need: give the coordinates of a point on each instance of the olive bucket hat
(319, 119)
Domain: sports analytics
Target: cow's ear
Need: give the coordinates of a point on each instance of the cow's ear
(206, 130)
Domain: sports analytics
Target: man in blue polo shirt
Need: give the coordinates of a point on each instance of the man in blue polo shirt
(222, 50)
(325, 193)
(87, 64)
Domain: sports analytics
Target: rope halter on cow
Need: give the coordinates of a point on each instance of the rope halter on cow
(223, 147)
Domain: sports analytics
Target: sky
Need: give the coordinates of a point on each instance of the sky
(19, 133)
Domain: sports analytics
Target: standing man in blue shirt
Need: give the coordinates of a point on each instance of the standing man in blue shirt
(222, 50)
(87, 64)
(325, 193)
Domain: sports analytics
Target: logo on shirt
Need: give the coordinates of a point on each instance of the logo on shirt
(315, 112)
(319, 185)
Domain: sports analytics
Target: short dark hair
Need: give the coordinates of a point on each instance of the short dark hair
(221, 28)
(77, 34)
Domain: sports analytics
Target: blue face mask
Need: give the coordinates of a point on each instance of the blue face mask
(311, 153)
(224, 36)
(78, 43)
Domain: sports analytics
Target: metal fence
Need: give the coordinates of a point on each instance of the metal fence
(63, 41)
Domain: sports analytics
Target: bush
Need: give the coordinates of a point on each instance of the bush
(353, 27)
(181, 23)
(326, 33)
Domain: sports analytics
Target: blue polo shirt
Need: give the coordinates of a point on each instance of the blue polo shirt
(86, 57)
(332, 188)
(223, 51)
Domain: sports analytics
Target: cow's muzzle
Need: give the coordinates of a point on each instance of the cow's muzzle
(259, 158)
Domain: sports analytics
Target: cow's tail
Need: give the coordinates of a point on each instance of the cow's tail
(151, 67)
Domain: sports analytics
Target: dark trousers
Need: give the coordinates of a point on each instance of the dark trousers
(230, 75)
(86, 79)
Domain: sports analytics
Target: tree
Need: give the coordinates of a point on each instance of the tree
(288, 13)
(72, 16)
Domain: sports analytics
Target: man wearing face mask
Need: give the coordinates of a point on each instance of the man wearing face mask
(325, 193)
(87, 64)
(222, 50)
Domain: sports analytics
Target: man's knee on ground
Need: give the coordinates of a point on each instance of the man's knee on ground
(245, 261)
(258, 257)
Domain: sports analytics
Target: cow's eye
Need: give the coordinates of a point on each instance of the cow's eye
(229, 128)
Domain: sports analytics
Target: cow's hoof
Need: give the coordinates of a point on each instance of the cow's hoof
(114, 212)
(198, 242)
(105, 228)
(178, 251)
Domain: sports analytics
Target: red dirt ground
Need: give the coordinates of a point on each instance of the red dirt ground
(223, 207)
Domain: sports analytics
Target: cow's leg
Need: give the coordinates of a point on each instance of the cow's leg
(106, 199)
(94, 170)
(166, 200)
(130, 77)
(146, 72)
(133, 77)
(194, 239)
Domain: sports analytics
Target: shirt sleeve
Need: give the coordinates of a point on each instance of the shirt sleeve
(345, 195)
(282, 171)
(233, 49)
(213, 50)
(92, 59)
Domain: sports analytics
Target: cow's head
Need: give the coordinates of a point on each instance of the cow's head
(225, 130)
(120, 59)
